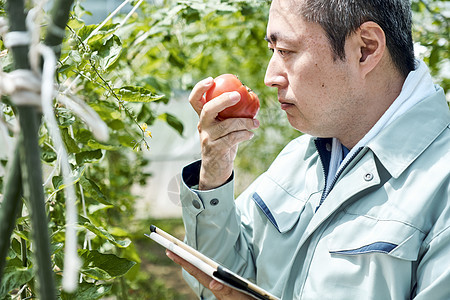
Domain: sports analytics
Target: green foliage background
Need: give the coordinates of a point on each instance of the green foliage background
(127, 74)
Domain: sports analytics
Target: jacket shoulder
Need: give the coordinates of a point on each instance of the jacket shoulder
(300, 148)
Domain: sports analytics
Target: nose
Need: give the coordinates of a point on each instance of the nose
(275, 75)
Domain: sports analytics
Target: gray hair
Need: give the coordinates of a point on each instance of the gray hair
(341, 18)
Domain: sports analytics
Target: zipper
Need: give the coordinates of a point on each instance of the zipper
(322, 159)
(338, 174)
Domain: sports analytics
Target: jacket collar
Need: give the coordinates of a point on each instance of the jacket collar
(414, 131)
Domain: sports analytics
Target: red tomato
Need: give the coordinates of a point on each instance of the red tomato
(247, 107)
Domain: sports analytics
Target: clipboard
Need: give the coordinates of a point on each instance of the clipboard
(207, 265)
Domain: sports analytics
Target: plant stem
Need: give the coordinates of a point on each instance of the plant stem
(123, 288)
(23, 250)
(10, 208)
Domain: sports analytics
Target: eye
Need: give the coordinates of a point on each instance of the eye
(282, 52)
(271, 50)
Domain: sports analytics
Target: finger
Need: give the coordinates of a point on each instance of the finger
(196, 96)
(234, 138)
(220, 290)
(202, 277)
(220, 148)
(223, 128)
(212, 108)
(223, 292)
(214, 286)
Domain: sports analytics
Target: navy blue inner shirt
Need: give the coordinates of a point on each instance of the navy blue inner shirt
(345, 151)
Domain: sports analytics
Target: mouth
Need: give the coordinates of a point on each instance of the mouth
(285, 104)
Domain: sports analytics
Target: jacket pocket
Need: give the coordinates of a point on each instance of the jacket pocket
(279, 206)
(364, 235)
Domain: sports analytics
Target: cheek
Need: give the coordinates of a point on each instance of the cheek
(312, 82)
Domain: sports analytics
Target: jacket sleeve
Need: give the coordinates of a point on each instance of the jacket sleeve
(213, 226)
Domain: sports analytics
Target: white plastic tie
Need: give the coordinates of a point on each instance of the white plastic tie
(130, 13)
(87, 114)
(23, 86)
(72, 262)
(16, 38)
(97, 29)
(4, 28)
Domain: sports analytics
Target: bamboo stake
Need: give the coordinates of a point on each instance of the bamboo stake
(56, 29)
(30, 164)
(29, 151)
(12, 193)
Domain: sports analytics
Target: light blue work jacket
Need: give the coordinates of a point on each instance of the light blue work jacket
(383, 232)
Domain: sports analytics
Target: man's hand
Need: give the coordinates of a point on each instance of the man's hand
(222, 292)
(219, 139)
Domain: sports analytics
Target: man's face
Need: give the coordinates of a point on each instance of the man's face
(316, 91)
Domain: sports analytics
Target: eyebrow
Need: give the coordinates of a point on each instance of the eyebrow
(272, 39)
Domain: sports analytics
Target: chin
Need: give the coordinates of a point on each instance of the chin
(298, 125)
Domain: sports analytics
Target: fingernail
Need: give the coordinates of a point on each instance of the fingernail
(235, 96)
(209, 81)
(169, 254)
(256, 122)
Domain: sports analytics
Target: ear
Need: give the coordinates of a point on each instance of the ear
(372, 43)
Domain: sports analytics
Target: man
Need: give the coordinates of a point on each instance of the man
(356, 208)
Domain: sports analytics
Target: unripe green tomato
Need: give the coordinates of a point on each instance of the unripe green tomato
(86, 56)
(72, 42)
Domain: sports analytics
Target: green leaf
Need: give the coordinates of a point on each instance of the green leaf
(48, 155)
(176, 59)
(106, 110)
(173, 121)
(65, 68)
(103, 266)
(88, 156)
(83, 135)
(93, 190)
(13, 278)
(116, 124)
(75, 55)
(15, 248)
(434, 57)
(71, 144)
(190, 15)
(86, 30)
(87, 291)
(102, 233)
(22, 234)
(15, 262)
(65, 117)
(110, 52)
(126, 140)
(137, 94)
(96, 145)
(58, 183)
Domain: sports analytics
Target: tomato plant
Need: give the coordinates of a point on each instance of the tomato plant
(247, 107)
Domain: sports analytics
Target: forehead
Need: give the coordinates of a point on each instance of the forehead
(288, 8)
(287, 5)
(286, 21)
